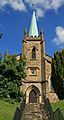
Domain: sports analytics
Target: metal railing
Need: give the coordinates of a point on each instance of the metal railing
(57, 115)
(49, 109)
(18, 113)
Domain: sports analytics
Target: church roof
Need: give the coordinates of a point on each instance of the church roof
(33, 27)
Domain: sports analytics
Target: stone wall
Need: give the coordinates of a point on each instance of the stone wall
(37, 64)
(48, 71)
(42, 65)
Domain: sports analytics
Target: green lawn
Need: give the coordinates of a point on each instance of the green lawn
(59, 104)
(7, 110)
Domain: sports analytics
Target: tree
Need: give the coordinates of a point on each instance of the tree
(58, 73)
(11, 72)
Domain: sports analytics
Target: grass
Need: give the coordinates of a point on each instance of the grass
(7, 110)
(59, 104)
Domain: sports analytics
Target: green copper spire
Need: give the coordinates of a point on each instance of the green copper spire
(33, 27)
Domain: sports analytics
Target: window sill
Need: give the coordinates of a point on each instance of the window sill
(32, 75)
(32, 59)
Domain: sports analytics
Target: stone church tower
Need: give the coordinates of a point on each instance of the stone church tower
(38, 65)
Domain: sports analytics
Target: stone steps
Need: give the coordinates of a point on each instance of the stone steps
(34, 111)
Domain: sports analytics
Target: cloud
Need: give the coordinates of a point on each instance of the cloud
(55, 4)
(59, 39)
(41, 6)
(18, 5)
(39, 13)
(15, 4)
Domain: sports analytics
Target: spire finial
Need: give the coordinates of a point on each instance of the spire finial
(41, 30)
(25, 33)
(25, 30)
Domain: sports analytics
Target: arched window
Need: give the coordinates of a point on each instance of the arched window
(34, 53)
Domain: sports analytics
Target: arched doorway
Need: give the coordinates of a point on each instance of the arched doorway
(32, 96)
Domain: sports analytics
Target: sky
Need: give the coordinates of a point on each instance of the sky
(15, 15)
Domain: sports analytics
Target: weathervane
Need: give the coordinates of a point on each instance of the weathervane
(33, 6)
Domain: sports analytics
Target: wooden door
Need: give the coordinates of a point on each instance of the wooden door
(33, 97)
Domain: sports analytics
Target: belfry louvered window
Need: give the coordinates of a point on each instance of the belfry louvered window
(34, 53)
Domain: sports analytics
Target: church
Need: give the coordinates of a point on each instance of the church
(38, 66)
